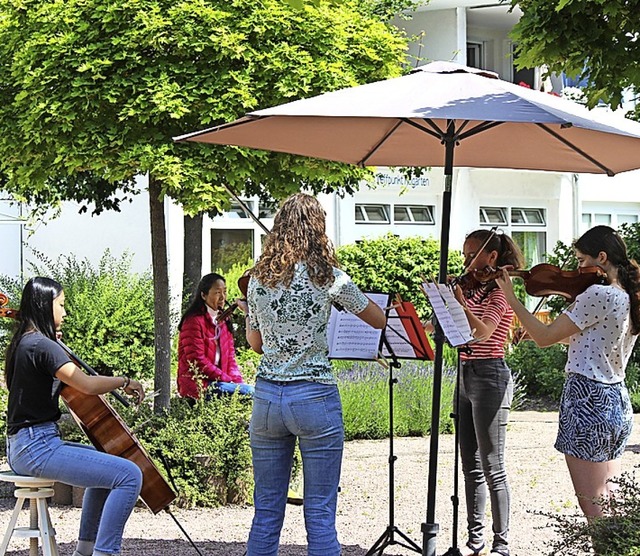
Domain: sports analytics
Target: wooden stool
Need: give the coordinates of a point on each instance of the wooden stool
(36, 491)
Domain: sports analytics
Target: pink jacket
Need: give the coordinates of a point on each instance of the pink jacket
(197, 344)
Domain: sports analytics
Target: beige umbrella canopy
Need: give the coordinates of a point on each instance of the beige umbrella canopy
(440, 114)
(405, 122)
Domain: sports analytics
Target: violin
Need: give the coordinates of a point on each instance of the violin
(226, 313)
(6, 311)
(547, 279)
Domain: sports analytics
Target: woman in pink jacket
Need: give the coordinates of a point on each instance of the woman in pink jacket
(206, 353)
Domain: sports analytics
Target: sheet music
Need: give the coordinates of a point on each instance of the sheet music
(350, 337)
(397, 338)
(449, 313)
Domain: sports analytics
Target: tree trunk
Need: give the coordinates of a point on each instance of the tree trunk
(162, 323)
(192, 269)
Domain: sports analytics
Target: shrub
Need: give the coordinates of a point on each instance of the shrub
(396, 265)
(617, 533)
(110, 312)
(540, 371)
(205, 447)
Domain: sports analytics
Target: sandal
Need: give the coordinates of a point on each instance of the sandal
(476, 550)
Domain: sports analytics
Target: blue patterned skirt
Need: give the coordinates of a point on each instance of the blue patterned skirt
(595, 419)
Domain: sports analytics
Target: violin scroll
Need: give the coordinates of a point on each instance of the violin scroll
(6, 311)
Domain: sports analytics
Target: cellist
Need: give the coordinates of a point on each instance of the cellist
(36, 368)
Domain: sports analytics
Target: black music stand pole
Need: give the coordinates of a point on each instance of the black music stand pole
(455, 500)
(388, 538)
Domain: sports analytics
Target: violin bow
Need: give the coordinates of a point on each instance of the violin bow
(492, 233)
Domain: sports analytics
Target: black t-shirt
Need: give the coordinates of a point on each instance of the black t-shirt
(34, 390)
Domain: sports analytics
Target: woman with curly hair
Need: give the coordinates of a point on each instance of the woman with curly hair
(289, 299)
(601, 327)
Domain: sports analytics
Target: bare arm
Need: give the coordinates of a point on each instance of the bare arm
(254, 337)
(542, 334)
(70, 374)
(373, 316)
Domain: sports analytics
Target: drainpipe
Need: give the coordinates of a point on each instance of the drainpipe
(577, 204)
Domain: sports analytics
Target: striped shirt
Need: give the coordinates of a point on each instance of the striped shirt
(490, 306)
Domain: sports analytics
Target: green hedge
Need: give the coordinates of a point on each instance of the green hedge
(396, 265)
(109, 322)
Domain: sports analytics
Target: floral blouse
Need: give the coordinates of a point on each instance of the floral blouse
(293, 323)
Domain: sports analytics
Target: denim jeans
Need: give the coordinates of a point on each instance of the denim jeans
(486, 393)
(217, 388)
(312, 413)
(112, 483)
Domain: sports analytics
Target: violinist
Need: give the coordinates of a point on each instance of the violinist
(601, 327)
(486, 391)
(206, 351)
(36, 367)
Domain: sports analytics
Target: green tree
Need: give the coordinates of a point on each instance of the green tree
(591, 38)
(91, 93)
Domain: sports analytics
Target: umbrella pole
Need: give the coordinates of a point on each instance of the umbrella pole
(430, 528)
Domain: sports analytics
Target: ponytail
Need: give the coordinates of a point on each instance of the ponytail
(629, 278)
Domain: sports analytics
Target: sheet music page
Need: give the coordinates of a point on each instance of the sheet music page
(351, 338)
(397, 337)
(449, 313)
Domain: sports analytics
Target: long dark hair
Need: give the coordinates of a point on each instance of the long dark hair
(604, 238)
(36, 314)
(197, 305)
(509, 253)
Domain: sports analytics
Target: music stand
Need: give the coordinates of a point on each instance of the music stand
(452, 324)
(409, 339)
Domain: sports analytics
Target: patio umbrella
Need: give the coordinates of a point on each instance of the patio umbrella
(439, 112)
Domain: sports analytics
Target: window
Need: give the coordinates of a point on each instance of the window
(230, 247)
(493, 216)
(599, 219)
(627, 219)
(236, 211)
(527, 216)
(372, 214)
(533, 246)
(268, 209)
(413, 214)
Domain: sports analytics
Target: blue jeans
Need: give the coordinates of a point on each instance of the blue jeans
(216, 388)
(312, 413)
(486, 393)
(112, 483)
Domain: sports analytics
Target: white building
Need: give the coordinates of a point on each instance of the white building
(536, 208)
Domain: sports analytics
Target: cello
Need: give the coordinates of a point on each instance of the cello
(108, 432)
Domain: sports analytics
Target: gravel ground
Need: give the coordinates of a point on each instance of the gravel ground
(538, 476)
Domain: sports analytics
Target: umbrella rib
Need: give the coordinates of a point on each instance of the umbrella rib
(573, 147)
(483, 126)
(363, 161)
(438, 133)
